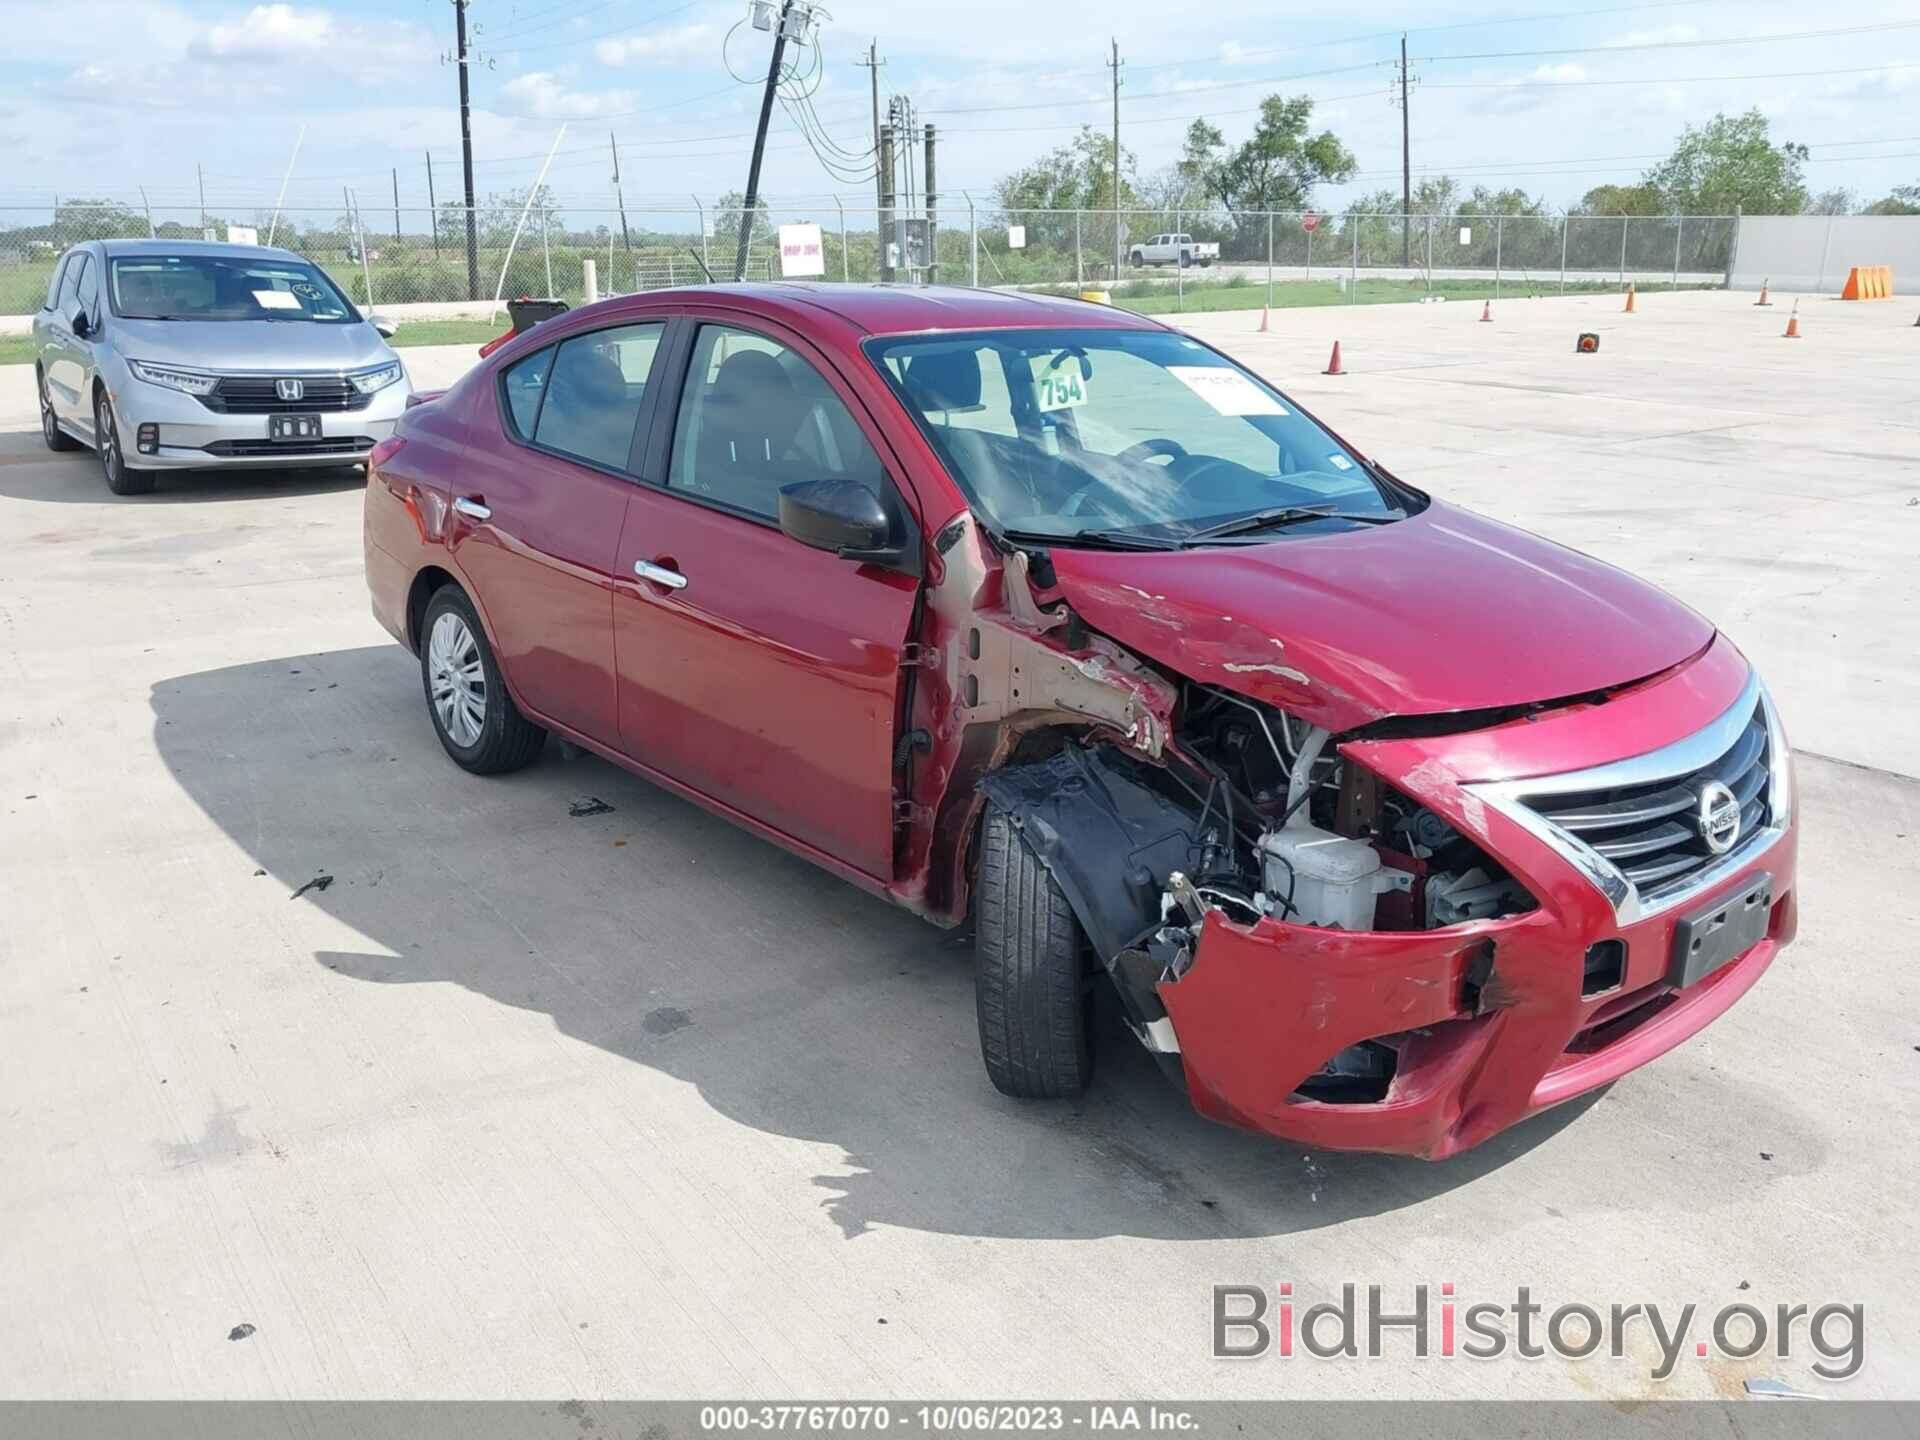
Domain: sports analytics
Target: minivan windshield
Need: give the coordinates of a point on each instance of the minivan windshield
(219, 287)
(1144, 439)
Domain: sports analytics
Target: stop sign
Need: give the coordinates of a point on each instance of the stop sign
(1309, 222)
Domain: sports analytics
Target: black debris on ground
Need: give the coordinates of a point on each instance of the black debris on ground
(240, 1331)
(319, 882)
(589, 805)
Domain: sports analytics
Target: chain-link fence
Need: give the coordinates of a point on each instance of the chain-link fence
(1148, 259)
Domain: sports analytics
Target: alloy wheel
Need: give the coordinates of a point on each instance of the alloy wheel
(106, 439)
(457, 679)
(49, 426)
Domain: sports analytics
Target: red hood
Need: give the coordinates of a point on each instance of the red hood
(1444, 611)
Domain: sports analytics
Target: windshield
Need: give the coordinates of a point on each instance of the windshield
(1107, 436)
(217, 287)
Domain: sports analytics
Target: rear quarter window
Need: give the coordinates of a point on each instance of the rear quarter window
(523, 383)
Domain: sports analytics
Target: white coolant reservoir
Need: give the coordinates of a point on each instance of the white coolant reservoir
(1329, 879)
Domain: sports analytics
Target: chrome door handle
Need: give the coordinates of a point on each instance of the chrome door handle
(660, 575)
(472, 509)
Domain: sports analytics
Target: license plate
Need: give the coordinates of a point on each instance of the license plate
(293, 427)
(1710, 937)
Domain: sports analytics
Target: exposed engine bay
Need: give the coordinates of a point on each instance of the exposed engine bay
(1255, 814)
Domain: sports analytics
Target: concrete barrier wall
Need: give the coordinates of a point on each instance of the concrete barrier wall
(1812, 253)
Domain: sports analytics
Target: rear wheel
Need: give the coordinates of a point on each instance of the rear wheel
(50, 431)
(1030, 981)
(121, 478)
(477, 721)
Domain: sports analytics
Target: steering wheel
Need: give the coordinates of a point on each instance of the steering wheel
(1148, 449)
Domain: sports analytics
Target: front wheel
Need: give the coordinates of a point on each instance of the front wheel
(50, 431)
(1030, 981)
(122, 479)
(476, 720)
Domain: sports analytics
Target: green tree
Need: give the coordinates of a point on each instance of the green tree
(1621, 200)
(1731, 164)
(1074, 176)
(1905, 200)
(1276, 167)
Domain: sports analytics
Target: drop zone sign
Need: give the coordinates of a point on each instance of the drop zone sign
(801, 252)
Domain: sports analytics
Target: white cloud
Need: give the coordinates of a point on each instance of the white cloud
(544, 94)
(1559, 74)
(657, 47)
(270, 32)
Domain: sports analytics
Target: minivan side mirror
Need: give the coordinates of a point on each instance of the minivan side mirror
(82, 326)
(382, 326)
(845, 517)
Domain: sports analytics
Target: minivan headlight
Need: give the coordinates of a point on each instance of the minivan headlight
(368, 381)
(172, 377)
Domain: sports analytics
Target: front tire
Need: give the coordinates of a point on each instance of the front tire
(478, 724)
(50, 431)
(1029, 979)
(122, 479)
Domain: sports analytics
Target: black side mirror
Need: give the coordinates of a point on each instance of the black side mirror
(82, 326)
(845, 517)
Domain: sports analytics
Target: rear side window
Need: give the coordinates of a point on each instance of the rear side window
(525, 381)
(594, 389)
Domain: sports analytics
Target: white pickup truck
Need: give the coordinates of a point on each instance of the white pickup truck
(1181, 250)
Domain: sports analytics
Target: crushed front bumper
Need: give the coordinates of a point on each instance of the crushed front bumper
(1488, 1018)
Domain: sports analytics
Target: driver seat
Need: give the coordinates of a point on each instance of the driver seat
(942, 383)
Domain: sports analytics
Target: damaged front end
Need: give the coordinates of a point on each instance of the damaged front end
(1344, 937)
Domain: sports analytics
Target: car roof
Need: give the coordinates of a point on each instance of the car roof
(195, 247)
(903, 310)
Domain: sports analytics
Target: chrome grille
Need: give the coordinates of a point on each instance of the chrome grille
(1653, 832)
(256, 395)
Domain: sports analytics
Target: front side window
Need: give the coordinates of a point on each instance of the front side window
(70, 286)
(56, 280)
(593, 393)
(217, 287)
(1117, 436)
(87, 295)
(756, 416)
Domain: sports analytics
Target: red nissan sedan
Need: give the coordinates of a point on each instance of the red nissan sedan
(1389, 824)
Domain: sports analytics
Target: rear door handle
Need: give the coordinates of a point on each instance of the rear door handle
(473, 508)
(660, 575)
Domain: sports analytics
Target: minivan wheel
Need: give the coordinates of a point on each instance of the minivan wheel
(1029, 982)
(50, 431)
(476, 720)
(121, 479)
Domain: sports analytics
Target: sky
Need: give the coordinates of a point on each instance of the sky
(103, 97)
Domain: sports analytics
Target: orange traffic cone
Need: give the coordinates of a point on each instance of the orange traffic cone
(1763, 300)
(1263, 320)
(1333, 362)
(1629, 297)
(1486, 313)
(1793, 322)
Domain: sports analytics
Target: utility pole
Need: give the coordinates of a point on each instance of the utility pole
(872, 65)
(396, 202)
(1118, 239)
(1406, 164)
(626, 240)
(933, 223)
(201, 175)
(466, 147)
(433, 206)
(760, 139)
(886, 203)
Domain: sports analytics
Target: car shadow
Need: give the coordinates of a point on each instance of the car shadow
(30, 471)
(796, 1004)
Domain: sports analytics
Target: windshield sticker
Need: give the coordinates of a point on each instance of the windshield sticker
(1339, 462)
(1062, 389)
(1227, 391)
(276, 300)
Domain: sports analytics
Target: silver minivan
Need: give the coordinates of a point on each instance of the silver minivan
(174, 354)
